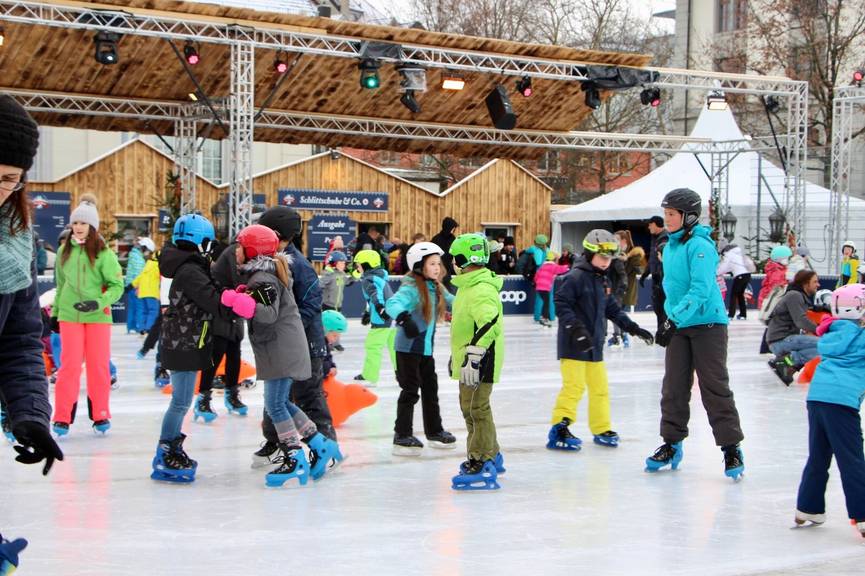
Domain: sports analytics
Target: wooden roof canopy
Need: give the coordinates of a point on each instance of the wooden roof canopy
(54, 59)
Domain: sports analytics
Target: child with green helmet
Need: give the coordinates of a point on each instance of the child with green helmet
(334, 324)
(376, 291)
(477, 351)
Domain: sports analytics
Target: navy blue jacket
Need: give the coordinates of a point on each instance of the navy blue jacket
(24, 387)
(582, 300)
(307, 294)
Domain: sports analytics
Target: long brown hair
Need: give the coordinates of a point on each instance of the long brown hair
(281, 269)
(93, 245)
(425, 300)
(17, 209)
(626, 236)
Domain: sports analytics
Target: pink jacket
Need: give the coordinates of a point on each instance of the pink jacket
(776, 275)
(546, 275)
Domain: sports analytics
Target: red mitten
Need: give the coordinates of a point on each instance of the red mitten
(244, 306)
(228, 297)
(824, 325)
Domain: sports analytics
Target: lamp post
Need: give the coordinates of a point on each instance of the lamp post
(776, 225)
(728, 224)
(219, 211)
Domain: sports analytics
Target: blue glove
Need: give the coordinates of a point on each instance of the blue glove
(9, 554)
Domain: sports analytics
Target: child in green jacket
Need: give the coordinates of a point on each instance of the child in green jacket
(477, 349)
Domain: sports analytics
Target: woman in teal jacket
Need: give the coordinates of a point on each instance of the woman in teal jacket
(420, 301)
(695, 335)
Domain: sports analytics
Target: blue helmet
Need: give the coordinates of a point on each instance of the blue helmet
(337, 256)
(780, 253)
(194, 228)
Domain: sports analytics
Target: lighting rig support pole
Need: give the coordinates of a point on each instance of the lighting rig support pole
(240, 137)
(720, 188)
(184, 158)
(797, 157)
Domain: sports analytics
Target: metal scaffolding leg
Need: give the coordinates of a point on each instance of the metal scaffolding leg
(241, 125)
(797, 158)
(184, 160)
(720, 187)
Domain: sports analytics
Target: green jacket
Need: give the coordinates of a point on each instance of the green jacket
(477, 309)
(77, 280)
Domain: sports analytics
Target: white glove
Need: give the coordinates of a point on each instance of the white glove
(470, 374)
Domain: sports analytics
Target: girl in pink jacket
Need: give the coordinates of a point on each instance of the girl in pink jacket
(776, 272)
(544, 279)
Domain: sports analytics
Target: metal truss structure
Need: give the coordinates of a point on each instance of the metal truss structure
(245, 39)
(843, 109)
(185, 136)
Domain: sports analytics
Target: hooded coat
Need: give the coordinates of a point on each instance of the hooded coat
(838, 378)
(407, 299)
(693, 296)
(443, 240)
(477, 320)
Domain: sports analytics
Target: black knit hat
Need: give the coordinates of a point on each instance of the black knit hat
(19, 134)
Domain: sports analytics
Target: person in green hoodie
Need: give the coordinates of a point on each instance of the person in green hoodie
(695, 335)
(89, 280)
(477, 351)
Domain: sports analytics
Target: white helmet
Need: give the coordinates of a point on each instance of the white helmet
(850, 244)
(419, 251)
(147, 244)
(823, 300)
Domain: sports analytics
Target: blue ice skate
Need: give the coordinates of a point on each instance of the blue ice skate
(608, 438)
(734, 462)
(6, 426)
(60, 429)
(478, 476)
(323, 451)
(171, 463)
(292, 463)
(233, 403)
(161, 377)
(560, 438)
(666, 455)
(101, 427)
(499, 462)
(201, 409)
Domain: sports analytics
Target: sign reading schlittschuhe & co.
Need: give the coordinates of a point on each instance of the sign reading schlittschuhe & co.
(319, 200)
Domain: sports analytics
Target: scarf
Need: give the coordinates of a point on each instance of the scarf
(16, 258)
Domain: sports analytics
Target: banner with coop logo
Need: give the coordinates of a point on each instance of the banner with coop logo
(321, 230)
(303, 199)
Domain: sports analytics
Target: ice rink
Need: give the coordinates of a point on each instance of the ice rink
(594, 512)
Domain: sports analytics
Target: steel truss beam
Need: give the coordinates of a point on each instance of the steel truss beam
(843, 113)
(185, 135)
(241, 116)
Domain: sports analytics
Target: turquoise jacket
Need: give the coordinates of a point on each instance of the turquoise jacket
(407, 299)
(376, 291)
(539, 254)
(693, 296)
(838, 378)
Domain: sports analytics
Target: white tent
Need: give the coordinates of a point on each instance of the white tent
(752, 181)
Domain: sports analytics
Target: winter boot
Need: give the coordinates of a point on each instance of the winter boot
(406, 446)
(803, 517)
(783, 368)
(171, 463)
(560, 438)
(734, 462)
(666, 455)
(443, 439)
(233, 403)
(608, 438)
(323, 451)
(291, 463)
(202, 409)
(477, 476)
(101, 427)
(499, 462)
(266, 455)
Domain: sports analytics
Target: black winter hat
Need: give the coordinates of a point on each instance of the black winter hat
(19, 134)
(449, 224)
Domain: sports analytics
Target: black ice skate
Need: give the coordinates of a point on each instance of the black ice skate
(406, 446)
(443, 440)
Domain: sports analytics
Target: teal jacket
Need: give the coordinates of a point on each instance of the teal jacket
(407, 299)
(376, 291)
(693, 296)
(838, 378)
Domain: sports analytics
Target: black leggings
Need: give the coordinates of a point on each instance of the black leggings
(737, 295)
(231, 350)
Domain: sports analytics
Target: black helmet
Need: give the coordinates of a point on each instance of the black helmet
(686, 201)
(283, 220)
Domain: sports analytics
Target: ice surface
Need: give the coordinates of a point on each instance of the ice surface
(99, 513)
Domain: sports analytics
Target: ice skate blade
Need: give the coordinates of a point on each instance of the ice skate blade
(653, 468)
(174, 478)
(406, 451)
(474, 486)
(600, 441)
(261, 462)
(206, 416)
(562, 447)
(279, 480)
(441, 445)
(736, 473)
(238, 411)
(330, 469)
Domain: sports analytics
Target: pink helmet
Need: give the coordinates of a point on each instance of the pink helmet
(848, 302)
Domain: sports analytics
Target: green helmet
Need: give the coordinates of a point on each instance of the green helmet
(333, 321)
(470, 249)
(369, 259)
(541, 239)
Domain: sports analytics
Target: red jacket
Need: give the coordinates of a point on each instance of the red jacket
(546, 275)
(776, 275)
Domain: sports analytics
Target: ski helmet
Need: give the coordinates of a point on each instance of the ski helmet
(541, 240)
(823, 299)
(258, 240)
(147, 244)
(285, 221)
(780, 253)
(685, 201)
(333, 321)
(369, 259)
(848, 302)
(849, 244)
(417, 252)
(552, 256)
(195, 229)
(337, 256)
(600, 241)
(469, 249)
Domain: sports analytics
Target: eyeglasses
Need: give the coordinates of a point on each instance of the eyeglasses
(12, 185)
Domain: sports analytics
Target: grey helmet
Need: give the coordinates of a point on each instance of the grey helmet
(600, 241)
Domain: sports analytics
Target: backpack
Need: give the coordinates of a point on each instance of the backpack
(770, 302)
(526, 265)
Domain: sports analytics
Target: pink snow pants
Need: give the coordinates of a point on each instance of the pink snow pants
(90, 344)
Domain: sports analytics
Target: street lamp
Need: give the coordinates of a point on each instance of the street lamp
(728, 224)
(776, 225)
(219, 211)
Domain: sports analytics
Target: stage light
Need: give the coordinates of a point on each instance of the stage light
(369, 78)
(193, 96)
(409, 102)
(858, 76)
(191, 54)
(452, 81)
(524, 86)
(716, 101)
(280, 66)
(651, 97)
(106, 47)
(593, 97)
(771, 103)
(412, 79)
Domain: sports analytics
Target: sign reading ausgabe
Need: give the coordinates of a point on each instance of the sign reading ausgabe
(321, 230)
(303, 199)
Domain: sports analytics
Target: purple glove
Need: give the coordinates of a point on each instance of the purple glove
(244, 305)
(228, 297)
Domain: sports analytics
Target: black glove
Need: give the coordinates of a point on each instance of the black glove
(36, 444)
(642, 334)
(54, 324)
(665, 333)
(86, 306)
(383, 313)
(365, 319)
(408, 325)
(264, 294)
(581, 340)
